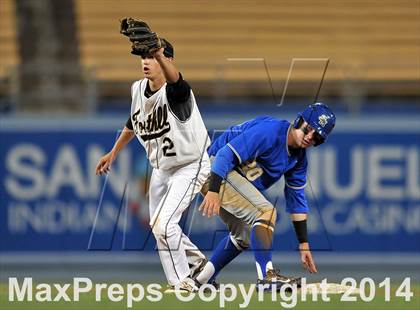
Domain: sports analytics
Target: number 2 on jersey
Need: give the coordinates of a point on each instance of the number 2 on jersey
(167, 146)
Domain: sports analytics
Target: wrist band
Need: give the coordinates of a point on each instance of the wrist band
(215, 182)
(301, 230)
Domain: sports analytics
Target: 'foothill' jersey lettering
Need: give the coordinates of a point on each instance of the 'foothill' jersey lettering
(168, 141)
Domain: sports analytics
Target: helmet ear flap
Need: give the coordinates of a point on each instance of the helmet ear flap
(298, 122)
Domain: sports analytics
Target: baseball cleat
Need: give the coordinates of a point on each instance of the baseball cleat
(274, 280)
(186, 286)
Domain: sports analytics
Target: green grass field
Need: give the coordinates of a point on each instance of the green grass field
(170, 301)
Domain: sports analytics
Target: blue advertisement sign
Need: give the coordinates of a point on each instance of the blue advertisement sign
(363, 190)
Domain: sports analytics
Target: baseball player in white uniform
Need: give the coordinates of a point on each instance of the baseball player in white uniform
(165, 118)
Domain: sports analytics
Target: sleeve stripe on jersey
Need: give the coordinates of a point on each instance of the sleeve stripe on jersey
(296, 187)
(234, 151)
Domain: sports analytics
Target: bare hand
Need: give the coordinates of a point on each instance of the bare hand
(104, 164)
(306, 258)
(210, 205)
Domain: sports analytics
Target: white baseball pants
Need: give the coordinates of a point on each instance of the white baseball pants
(170, 193)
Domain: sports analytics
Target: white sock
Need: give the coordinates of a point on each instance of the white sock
(207, 272)
(259, 271)
(268, 267)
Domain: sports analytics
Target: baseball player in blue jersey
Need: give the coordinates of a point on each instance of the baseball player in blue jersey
(247, 159)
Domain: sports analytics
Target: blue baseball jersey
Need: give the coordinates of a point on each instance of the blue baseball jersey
(258, 150)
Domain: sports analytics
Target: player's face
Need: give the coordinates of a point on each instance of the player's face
(150, 67)
(306, 136)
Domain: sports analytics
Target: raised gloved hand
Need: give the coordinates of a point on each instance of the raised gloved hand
(144, 40)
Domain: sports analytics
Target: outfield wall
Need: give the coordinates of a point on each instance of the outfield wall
(364, 188)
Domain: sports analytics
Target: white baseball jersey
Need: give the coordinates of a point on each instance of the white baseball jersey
(171, 143)
(168, 141)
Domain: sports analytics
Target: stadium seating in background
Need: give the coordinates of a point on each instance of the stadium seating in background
(9, 57)
(372, 46)
(368, 41)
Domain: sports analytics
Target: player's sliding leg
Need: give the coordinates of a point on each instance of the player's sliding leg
(247, 205)
(251, 220)
(225, 252)
(262, 240)
(227, 249)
